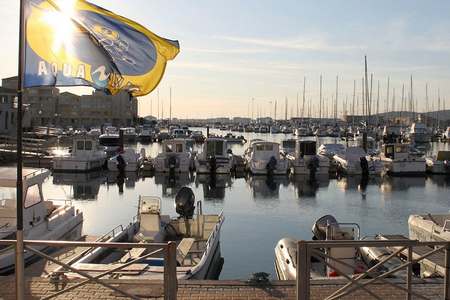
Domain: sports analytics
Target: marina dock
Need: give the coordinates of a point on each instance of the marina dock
(223, 289)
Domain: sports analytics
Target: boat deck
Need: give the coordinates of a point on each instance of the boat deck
(433, 264)
(218, 290)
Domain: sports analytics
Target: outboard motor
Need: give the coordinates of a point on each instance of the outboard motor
(121, 164)
(172, 163)
(271, 165)
(313, 165)
(364, 166)
(212, 164)
(319, 228)
(185, 203)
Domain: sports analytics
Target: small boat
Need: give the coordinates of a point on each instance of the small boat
(110, 139)
(128, 160)
(129, 134)
(275, 129)
(146, 135)
(264, 158)
(439, 164)
(198, 136)
(446, 134)
(42, 219)
(86, 156)
(355, 161)
(288, 146)
(175, 157)
(302, 131)
(371, 145)
(233, 139)
(197, 236)
(214, 158)
(419, 133)
(95, 132)
(392, 133)
(305, 160)
(429, 227)
(329, 150)
(326, 228)
(398, 160)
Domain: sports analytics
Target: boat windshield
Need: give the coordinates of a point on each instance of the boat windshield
(214, 148)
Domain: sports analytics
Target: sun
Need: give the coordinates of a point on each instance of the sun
(59, 17)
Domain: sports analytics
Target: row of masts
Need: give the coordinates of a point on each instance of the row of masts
(365, 101)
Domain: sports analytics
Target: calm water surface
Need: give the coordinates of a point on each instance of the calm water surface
(258, 211)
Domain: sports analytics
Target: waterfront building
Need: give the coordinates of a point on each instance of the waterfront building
(49, 106)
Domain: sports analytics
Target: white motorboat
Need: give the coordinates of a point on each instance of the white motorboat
(329, 150)
(371, 144)
(95, 132)
(110, 139)
(198, 136)
(86, 155)
(327, 229)
(446, 134)
(146, 134)
(355, 161)
(214, 158)
(42, 219)
(419, 133)
(264, 158)
(392, 133)
(306, 161)
(128, 160)
(129, 134)
(175, 157)
(398, 160)
(302, 131)
(288, 146)
(197, 236)
(429, 227)
(438, 164)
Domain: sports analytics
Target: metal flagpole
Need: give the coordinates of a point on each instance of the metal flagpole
(20, 282)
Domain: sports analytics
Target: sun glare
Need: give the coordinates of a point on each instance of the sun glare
(60, 21)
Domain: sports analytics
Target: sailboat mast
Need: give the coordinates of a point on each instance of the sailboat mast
(304, 88)
(320, 98)
(336, 99)
(387, 95)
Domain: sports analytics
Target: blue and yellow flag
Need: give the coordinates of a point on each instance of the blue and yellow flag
(73, 42)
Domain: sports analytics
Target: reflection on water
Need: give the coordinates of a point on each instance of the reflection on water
(213, 186)
(258, 210)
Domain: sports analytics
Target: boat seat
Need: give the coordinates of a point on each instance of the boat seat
(183, 249)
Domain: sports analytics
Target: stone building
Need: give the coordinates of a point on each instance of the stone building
(48, 106)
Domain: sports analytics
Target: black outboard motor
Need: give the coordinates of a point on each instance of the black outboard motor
(319, 228)
(212, 164)
(172, 163)
(271, 166)
(121, 164)
(364, 166)
(313, 165)
(185, 203)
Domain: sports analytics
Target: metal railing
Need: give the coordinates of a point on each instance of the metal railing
(168, 249)
(307, 249)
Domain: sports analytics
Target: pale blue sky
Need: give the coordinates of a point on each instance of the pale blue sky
(232, 51)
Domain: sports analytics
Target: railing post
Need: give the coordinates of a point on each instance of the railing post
(170, 272)
(409, 274)
(302, 271)
(447, 272)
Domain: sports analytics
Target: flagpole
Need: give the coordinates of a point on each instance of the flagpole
(20, 280)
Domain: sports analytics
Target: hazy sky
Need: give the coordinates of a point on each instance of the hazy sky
(232, 51)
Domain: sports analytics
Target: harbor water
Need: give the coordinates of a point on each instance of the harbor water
(258, 210)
